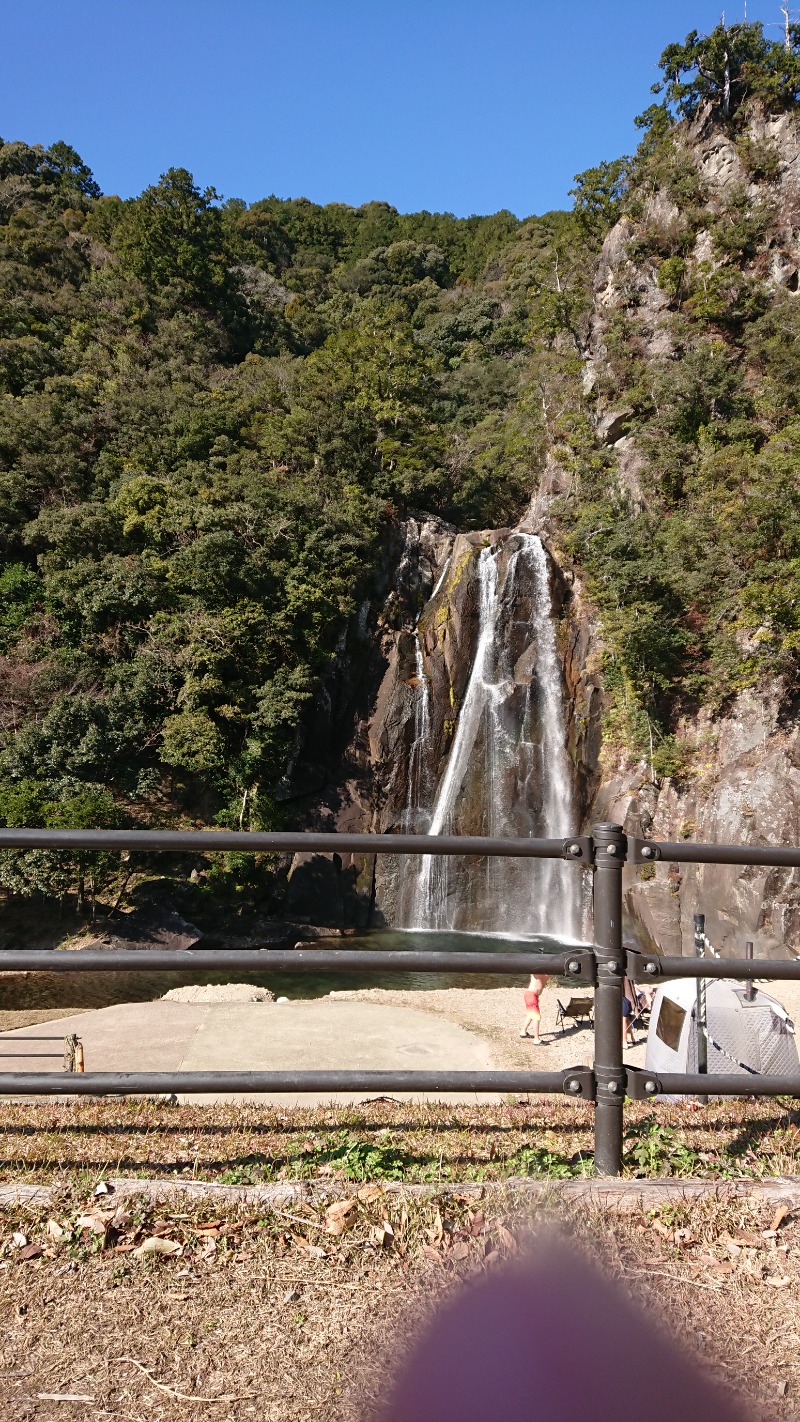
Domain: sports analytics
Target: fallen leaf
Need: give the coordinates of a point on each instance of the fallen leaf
(95, 1224)
(101, 1188)
(341, 1216)
(778, 1281)
(30, 1251)
(460, 1250)
(429, 1252)
(383, 1234)
(720, 1270)
(368, 1193)
(19, 1239)
(156, 1244)
(782, 1213)
(313, 1249)
(436, 1232)
(476, 1223)
(54, 1230)
(753, 1241)
(505, 1236)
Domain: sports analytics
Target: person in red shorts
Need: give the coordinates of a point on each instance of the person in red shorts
(531, 997)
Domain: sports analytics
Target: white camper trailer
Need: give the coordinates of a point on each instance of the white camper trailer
(743, 1037)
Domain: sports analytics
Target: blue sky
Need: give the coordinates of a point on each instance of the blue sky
(466, 107)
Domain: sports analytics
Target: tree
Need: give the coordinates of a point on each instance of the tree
(57, 169)
(171, 236)
(37, 804)
(598, 195)
(729, 66)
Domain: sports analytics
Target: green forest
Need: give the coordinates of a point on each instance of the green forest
(214, 417)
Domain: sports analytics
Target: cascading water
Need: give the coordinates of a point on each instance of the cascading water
(508, 771)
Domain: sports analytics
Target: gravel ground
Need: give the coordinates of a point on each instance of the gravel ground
(498, 1014)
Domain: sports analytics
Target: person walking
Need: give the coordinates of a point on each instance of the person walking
(531, 998)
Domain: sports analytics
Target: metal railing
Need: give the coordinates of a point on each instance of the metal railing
(604, 965)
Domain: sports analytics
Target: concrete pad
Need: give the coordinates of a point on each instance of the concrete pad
(178, 1036)
(334, 1035)
(131, 1036)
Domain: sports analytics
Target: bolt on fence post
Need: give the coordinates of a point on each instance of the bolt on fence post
(610, 847)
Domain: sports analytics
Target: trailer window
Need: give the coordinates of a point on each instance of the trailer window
(670, 1022)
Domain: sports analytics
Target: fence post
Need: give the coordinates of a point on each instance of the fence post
(750, 987)
(701, 1015)
(610, 846)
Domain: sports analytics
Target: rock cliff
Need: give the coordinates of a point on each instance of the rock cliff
(740, 780)
(720, 225)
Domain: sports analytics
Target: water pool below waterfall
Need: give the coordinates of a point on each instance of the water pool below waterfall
(88, 990)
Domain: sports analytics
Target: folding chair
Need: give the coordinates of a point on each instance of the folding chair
(640, 1015)
(576, 1009)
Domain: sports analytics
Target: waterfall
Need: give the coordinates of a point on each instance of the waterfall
(508, 772)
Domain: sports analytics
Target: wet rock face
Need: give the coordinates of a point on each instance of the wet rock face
(352, 754)
(447, 633)
(430, 617)
(445, 643)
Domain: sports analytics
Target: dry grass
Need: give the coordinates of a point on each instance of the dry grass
(77, 1142)
(272, 1316)
(11, 1019)
(264, 1313)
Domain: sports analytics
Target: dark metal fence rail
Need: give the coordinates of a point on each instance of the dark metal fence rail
(251, 842)
(604, 965)
(171, 1082)
(578, 965)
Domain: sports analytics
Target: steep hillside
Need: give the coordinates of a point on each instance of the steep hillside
(212, 420)
(220, 426)
(689, 542)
